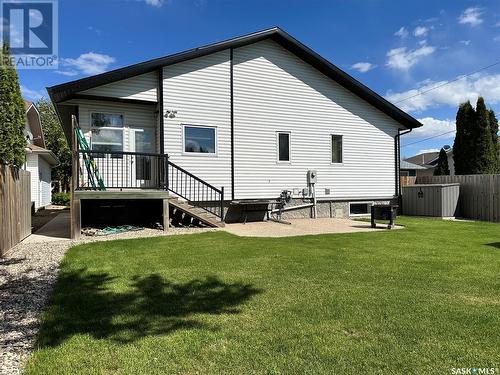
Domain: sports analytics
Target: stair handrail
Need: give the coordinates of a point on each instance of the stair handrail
(219, 193)
(195, 177)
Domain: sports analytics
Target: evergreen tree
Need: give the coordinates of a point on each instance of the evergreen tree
(12, 113)
(483, 161)
(494, 139)
(442, 168)
(56, 142)
(463, 147)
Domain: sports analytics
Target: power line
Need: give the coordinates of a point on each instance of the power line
(448, 82)
(437, 87)
(426, 139)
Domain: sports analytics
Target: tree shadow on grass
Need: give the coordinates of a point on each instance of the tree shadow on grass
(84, 303)
(494, 244)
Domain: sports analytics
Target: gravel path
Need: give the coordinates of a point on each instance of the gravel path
(27, 277)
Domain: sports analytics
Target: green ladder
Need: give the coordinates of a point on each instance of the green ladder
(91, 166)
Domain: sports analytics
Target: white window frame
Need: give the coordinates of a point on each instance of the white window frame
(92, 127)
(289, 161)
(368, 203)
(200, 154)
(331, 148)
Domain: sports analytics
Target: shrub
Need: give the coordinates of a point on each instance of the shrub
(62, 199)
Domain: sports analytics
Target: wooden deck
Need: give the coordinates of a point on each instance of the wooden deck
(117, 194)
(81, 195)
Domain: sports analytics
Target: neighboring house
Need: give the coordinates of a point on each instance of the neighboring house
(39, 160)
(250, 115)
(409, 169)
(429, 160)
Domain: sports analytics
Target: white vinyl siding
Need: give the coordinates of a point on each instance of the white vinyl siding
(142, 87)
(32, 168)
(199, 90)
(275, 90)
(45, 182)
(40, 173)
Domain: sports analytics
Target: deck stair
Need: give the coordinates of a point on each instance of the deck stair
(185, 213)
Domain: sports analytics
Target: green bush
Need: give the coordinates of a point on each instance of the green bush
(61, 199)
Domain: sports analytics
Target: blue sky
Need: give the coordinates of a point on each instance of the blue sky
(395, 47)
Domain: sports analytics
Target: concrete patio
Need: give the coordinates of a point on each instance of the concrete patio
(302, 227)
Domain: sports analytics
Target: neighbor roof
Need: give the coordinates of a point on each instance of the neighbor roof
(48, 155)
(423, 158)
(407, 165)
(66, 91)
(34, 122)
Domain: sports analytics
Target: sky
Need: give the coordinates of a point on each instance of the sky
(400, 49)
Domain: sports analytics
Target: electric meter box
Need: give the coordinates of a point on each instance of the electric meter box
(312, 177)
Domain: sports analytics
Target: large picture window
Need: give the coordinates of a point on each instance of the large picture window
(284, 147)
(199, 139)
(107, 132)
(337, 149)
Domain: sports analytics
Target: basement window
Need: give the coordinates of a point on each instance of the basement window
(360, 209)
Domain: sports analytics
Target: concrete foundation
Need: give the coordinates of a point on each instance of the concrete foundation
(325, 209)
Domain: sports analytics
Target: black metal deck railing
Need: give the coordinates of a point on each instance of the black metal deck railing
(121, 170)
(98, 170)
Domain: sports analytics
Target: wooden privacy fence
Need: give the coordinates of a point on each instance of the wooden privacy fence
(15, 207)
(407, 180)
(479, 194)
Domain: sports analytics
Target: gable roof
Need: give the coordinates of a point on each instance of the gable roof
(48, 155)
(65, 91)
(428, 159)
(424, 158)
(407, 165)
(34, 122)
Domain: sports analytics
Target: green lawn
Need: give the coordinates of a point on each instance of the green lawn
(420, 300)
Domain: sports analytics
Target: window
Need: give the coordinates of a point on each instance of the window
(198, 139)
(358, 209)
(107, 132)
(336, 149)
(283, 146)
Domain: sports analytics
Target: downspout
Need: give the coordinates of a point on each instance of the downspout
(231, 84)
(397, 161)
(161, 113)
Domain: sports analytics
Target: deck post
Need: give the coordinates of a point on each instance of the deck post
(165, 215)
(76, 219)
(75, 207)
(222, 203)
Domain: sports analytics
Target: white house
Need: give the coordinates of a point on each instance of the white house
(39, 160)
(250, 115)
